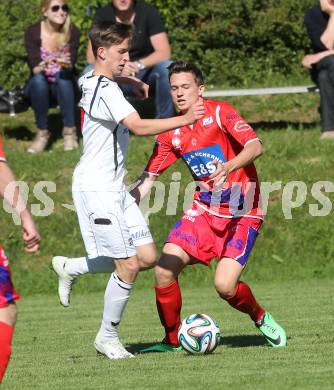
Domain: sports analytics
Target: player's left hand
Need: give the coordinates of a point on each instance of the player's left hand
(140, 89)
(219, 176)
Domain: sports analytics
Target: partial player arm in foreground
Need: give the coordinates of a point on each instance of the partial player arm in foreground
(251, 151)
(31, 236)
(144, 127)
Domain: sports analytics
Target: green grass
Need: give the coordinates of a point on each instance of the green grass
(291, 271)
(53, 346)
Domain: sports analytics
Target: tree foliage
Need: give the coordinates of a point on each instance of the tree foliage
(235, 42)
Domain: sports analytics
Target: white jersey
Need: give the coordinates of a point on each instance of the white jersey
(105, 140)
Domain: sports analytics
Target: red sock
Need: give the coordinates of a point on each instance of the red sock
(169, 302)
(244, 301)
(6, 334)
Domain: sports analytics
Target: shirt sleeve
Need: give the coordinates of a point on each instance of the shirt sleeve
(32, 43)
(155, 25)
(235, 125)
(162, 156)
(2, 152)
(315, 24)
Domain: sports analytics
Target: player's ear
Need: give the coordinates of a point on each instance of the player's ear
(101, 53)
(201, 90)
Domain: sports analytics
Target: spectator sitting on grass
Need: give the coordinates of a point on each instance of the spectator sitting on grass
(52, 46)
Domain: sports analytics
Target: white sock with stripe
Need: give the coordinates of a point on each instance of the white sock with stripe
(115, 300)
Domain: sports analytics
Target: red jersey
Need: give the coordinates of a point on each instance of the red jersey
(220, 135)
(2, 153)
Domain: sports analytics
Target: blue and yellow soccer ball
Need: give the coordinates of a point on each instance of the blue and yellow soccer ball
(199, 334)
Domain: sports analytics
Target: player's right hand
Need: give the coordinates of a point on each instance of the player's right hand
(196, 111)
(30, 234)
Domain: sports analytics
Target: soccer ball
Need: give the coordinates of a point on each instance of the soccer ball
(199, 334)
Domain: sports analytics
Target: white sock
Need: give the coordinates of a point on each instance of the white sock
(76, 266)
(115, 299)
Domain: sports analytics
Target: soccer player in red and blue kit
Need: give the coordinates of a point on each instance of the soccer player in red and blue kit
(31, 239)
(225, 216)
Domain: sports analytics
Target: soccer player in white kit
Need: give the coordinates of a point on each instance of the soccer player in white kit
(114, 231)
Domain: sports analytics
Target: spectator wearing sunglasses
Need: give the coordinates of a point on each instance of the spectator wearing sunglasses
(52, 46)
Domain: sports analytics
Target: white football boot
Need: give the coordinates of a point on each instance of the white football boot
(65, 281)
(112, 349)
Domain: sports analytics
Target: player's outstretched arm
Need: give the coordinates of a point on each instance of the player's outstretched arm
(252, 150)
(31, 236)
(142, 186)
(156, 126)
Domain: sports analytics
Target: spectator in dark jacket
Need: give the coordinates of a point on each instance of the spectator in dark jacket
(52, 46)
(319, 22)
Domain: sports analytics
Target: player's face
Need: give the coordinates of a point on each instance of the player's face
(122, 5)
(116, 57)
(184, 90)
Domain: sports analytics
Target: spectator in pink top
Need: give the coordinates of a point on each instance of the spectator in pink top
(52, 46)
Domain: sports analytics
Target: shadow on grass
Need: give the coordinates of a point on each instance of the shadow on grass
(136, 348)
(242, 341)
(21, 133)
(283, 125)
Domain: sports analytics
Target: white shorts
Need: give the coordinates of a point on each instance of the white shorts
(111, 223)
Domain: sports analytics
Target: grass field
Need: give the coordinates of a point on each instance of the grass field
(291, 271)
(53, 346)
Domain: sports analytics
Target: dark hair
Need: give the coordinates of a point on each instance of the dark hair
(106, 34)
(187, 67)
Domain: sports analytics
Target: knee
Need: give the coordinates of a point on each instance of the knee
(38, 80)
(225, 289)
(161, 69)
(147, 261)
(131, 268)
(38, 83)
(12, 314)
(9, 314)
(322, 78)
(163, 276)
(64, 78)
